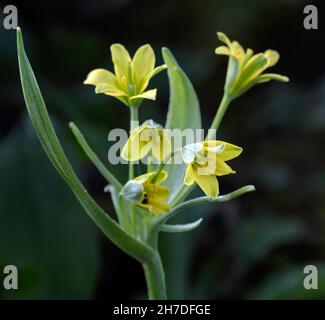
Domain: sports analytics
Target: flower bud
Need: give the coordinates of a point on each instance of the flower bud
(132, 192)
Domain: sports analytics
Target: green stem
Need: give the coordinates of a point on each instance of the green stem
(134, 116)
(219, 116)
(161, 167)
(153, 268)
(150, 166)
(155, 278)
(163, 163)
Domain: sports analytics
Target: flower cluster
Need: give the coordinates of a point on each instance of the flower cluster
(205, 160)
(146, 202)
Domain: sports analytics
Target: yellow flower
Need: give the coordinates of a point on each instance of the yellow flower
(246, 69)
(206, 160)
(150, 136)
(131, 77)
(146, 192)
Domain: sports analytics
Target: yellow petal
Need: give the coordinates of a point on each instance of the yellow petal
(126, 151)
(222, 168)
(99, 76)
(157, 70)
(150, 94)
(209, 184)
(162, 192)
(121, 60)
(237, 50)
(223, 38)
(230, 151)
(213, 165)
(254, 66)
(106, 83)
(136, 147)
(161, 145)
(147, 177)
(271, 76)
(110, 90)
(222, 50)
(158, 206)
(189, 175)
(143, 64)
(144, 177)
(161, 178)
(248, 55)
(272, 57)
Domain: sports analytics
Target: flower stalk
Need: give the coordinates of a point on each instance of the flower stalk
(134, 119)
(155, 278)
(224, 104)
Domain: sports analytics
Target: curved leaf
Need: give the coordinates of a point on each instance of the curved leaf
(180, 227)
(47, 136)
(183, 113)
(201, 201)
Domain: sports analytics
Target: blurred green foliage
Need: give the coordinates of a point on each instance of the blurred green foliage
(252, 248)
(41, 231)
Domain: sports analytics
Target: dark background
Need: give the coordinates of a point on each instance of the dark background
(255, 247)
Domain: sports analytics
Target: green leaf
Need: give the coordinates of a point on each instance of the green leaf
(201, 201)
(183, 113)
(180, 227)
(94, 158)
(47, 136)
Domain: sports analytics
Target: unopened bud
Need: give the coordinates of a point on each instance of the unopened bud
(133, 192)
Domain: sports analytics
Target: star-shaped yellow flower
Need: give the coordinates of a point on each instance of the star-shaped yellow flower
(205, 161)
(149, 137)
(146, 192)
(245, 69)
(131, 77)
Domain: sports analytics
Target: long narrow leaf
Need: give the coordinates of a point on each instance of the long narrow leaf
(201, 201)
(47, 136)
(94, 158)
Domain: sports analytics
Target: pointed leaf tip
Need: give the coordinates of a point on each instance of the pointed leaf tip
(169, 58)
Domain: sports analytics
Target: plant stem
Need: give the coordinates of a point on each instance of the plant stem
(155, 278)
(161, 167)
(150, 165)
(134, 117)
(164, 162)
(219, 116)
